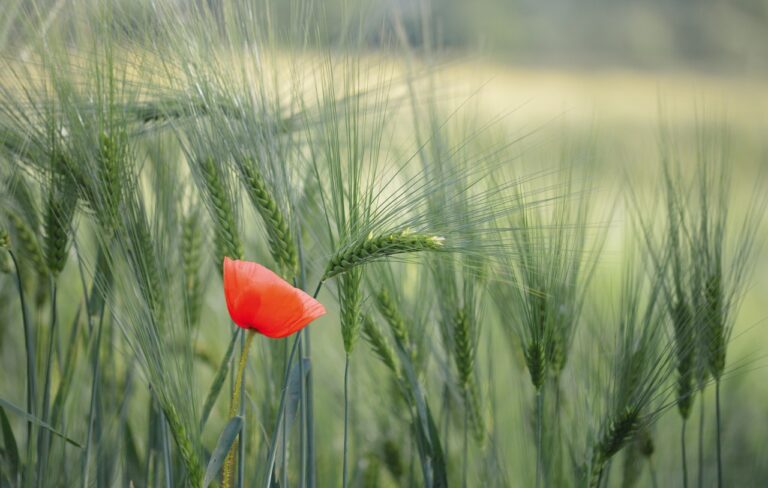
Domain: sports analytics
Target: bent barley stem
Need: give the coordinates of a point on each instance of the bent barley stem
(234, 406)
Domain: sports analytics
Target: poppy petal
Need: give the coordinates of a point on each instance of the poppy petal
(259, 299)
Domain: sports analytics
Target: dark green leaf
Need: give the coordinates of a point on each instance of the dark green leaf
(226, 439)
(30, 418)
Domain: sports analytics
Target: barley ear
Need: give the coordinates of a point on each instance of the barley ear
(380, 345)
(350, 299)
(189, 455)
(377, 247)
(535, 359)
(225, 228)
(464, 349)
(191, 246)
(714, 320)
(28, 242)
(394, 319)
(621, 428)
(281, 243)
(682, 321)
(58, 216)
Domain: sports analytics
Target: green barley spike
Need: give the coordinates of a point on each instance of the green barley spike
(28, 242)
(682, 321)
(376, 247)
(58, 218)
(379, 344)
(191, 246)
(281, 243)
(227, 237)
(621, 430)
(391, 314)
(350, 308)
(189, 455)
(464, 349)
(714, 323)
(535, 359)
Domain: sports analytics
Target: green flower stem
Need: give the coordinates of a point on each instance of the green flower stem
(234, 406)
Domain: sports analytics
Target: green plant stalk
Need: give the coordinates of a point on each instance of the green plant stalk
(284, 444)
(307, 442)
(311, 455)
(465, 467)
(241, 454)
(701, 439)
(218, 381)
(94, 395)
(280, 415)
(281, 408)
(346, 422)
(45, 435)
(539, 446)
(303, 407)
(28, 341)
(234, 406)
(719, 440)
(684, 457)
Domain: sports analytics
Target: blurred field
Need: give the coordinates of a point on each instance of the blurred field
(523, 115)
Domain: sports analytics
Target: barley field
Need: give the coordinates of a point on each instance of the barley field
(267, 243)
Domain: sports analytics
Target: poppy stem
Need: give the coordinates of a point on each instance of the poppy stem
(234, 406)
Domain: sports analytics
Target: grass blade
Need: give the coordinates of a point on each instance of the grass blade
(31, 418)
(226, 439)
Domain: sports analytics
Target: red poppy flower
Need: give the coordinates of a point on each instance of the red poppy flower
(258, 299)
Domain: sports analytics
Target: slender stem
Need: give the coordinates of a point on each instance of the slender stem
(701, 439)
(280, 415)
(600, 476)
(303, 417)
(685, 458)
(284, 428)
(234, 406)
(243, 429)
(29, 342)
(446, 418)
(308, 442)
(94, 396)
(652, 469)
(311, 454)
(719, 440)
(466, 440)
(539, 447)
(281, 408)
(346, 421)
(45, 435)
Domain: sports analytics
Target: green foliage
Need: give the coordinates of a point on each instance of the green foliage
(140, 144)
